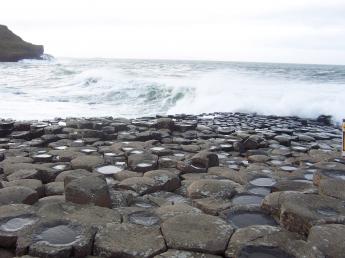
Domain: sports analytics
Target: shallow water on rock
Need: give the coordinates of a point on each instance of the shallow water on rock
(263, 181)
(247, 200)
(136, 152)
(61, 147)
(158, 148)
(288, 168)
(16, 224)
(309, 176)
(109, 169)
(59, 235)
(336, 174)
(110, 154)
(245, 219)
(43, 156)
(143, 204)
(88, 151)
(260, 191)
(327, 212)
(144, 218)
(263, 252)
(59, 167)
(144, 165)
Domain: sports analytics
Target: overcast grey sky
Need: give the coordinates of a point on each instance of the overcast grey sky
(301, 31)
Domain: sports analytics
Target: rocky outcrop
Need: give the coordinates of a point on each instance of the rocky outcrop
(13, 48)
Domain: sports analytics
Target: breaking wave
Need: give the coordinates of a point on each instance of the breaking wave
(133, 88)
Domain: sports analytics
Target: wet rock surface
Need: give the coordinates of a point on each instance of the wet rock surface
(212, 185)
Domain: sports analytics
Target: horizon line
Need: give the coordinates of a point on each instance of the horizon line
(195, 60)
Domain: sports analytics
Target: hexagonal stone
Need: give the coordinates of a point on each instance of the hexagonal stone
(212, 205)
(56, 239)
(34, 184)
(283, 139)
(185, 254)
(332, 187)
(329, 239)
(124, 174)
(269, 241)
(328, 174)
(258, 158)
(247, 215)
(12, 226)
(69, 175)
(205, 159)
(197, 232)
(303, 186)
(168, 211)
(225, 172)
(10, 168)
(24, 174)
(88, 215)
(143, 162)
(162, 198)
(54, 188)
(164, 123)
(51, 199)
(88, 190)
(18, 194)
(15, 218)
(88, 162)
(128, 240)
(141, 185)
(300, 212)
(165, 180)
(211, 188)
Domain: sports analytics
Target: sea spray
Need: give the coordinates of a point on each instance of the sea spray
(133, 88)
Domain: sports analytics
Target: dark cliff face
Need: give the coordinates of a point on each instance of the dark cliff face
(13, 48)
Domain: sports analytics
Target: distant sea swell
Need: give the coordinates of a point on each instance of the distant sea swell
(133, 88)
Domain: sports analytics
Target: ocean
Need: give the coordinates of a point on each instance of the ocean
(64, 87)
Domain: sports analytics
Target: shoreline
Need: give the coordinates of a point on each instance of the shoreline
(210, 185)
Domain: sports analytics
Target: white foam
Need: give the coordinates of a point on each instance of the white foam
(61, 88)
(229, 92)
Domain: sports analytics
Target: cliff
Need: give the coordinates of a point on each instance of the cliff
(13, 48)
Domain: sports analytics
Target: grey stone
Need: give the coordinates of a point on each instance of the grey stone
(88, 190)
(197, 232)
(18, 194)
(128, 240)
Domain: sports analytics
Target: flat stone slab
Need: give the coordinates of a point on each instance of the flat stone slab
(197, 232)
(184, 254)
(333, 188)
(12, 225)
(211, 188)
(57, 238)
(165, 180)
(329, 239)
(143, 162)
(88, 162)
(141, 185)
(88, 190)
(169, 211)
(300, 212)
(18, 194)
(128, 240)
(269, 241)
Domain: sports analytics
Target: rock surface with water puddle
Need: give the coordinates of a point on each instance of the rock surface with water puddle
(210, 185)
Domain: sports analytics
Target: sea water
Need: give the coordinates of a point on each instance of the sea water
(66, 87)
